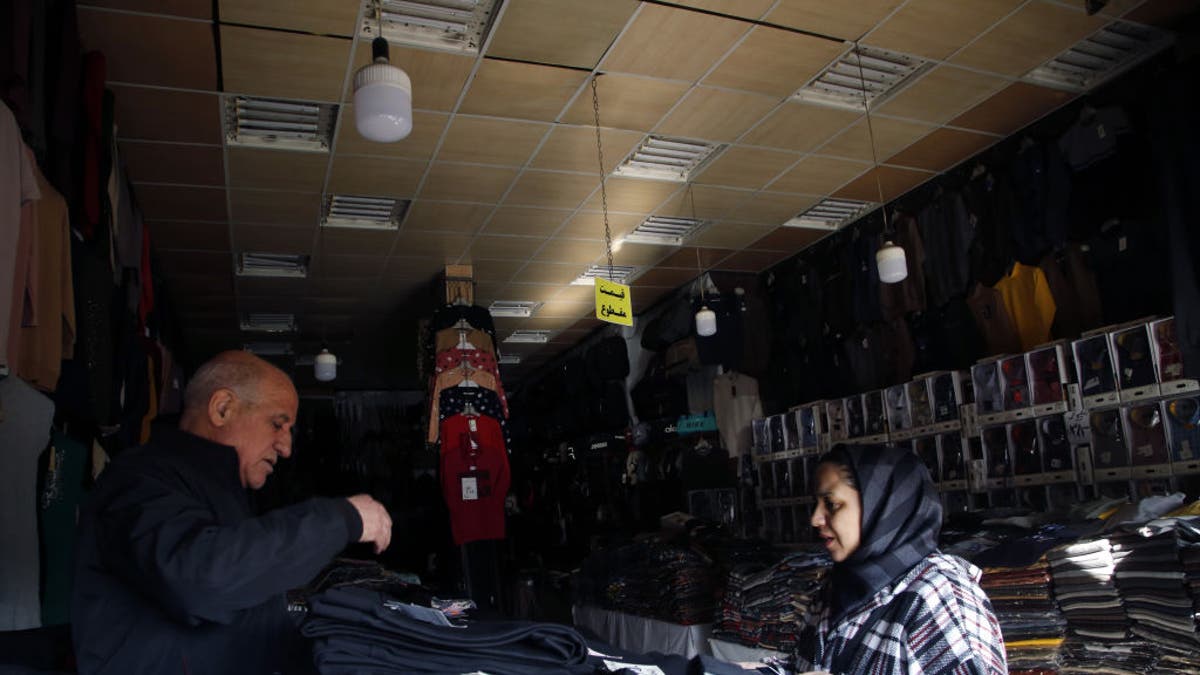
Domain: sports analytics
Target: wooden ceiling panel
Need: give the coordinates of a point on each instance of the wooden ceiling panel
(439, 76)
(816, 175)
(192, 9)
(550, 322)
(844, 20)
(563, 32)
(198, 236)
(908, 30)
(690, 258)
(196, 263)
(271, 287)
(261, 303)
(565, 310)
(184, 287)
(446, 216)
(590, 225)
(942, 149)
(730, 235)
(334, 241)
(626, 102)
(710, 202)
(746, 167)
(665, 277)
(547, 273)
(268, 207)
(354, 289)
(323, 17)
(164, 115)
(167, 52)
(412, 266)
(571, 250)
(491, 247)
(1031, 36)
(169, 202)
(420, 144)
(772, 208)
(287, 65)
(173, 163)
(632, 195)
(532, 292)
(752, 261)
(467, 182)
(774, 62)
(672, 43)
(574, 148)
(277, 169)
(495, 270)
(890, 136)
(333, 266)
(1161, 13)
(1012, 108)
(799, 127)
(521, 90)
(551, 190)
(789, 239)
(747, 9)
(895, 181)
(526, 221)
(375, 176)
(941, 94)
(716, 114)
(274, 239)
(484, 140)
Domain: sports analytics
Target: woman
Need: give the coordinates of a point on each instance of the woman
(895, 604)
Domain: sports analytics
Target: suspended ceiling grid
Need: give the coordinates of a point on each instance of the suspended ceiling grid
(501, 165)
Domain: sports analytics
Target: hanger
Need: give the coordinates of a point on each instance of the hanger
(979, 169)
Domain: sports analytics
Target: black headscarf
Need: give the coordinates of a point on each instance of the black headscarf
(901, 520)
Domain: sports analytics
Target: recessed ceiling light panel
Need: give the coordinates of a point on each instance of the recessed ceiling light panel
(1101, 56)
(882, 73)
(274, 123)
(528, 337)
(672, 159)
(830, 214)
(459, 26)
(518, 309)
(364, 213)
(618, 273)
(277, 265)
(664, 230)
(262, 322)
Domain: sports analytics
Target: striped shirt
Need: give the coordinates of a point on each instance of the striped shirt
(935, 619)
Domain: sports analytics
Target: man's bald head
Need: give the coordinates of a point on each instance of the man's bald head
(239, 371)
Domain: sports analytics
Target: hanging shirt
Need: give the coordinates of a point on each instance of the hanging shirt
(475, 477)
(474, 358)
(999, 333)
(453, 378)
(475, 316)
(1026, 296)
(736, 404)
(461, 400)
(451, 338)
(18, 187)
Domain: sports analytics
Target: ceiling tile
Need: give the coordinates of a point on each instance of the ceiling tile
(169, 202)
(353, 288)
(257, 303)
(216, 321)
(521, 90)
(707, 202)
(534, 292)
(420, 144)
(672, 43)
(794, 126)
(568, 310)
(772, 208)
(941, 94)
(440, 248)
(942, 149)
(908, 30)
(571, 250)
(173, 163)
(577, 294)
(789, 239)
(641, 255)
(192, 9)
(548, 273)
(1012, 108)
(890, 136)
(467, 182)
(626, 102)
(323, 17)
(167, 52)
(730, 235)
(663, 277)
(632, 195)
(774, 62)
(275, 208)
(446, 216)
(649, 297)
(551, 190)
(277, 169)
(440, 76)
(496, 270)
(715, 114)
(587, 324)
(894, 181)
(166, 115)
(492, 247)
(215, 263)
(483, 140)
(746, 167)
(1032, 35)
(550, 323)
(202, 236)
(590, 225)
(288, 65)
(354, 242)
(574, 148)
(271, 287)
(375, 176)
(332, 266)
(690, 258)
(747, 9)
(847, 21)
(816, 175)
(752, 261)
(186, 287)
(563, 32)
(410, 266)
(274, 239)
(526, 221)
(1162, 13)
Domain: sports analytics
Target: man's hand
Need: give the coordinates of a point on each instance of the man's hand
(376, 523)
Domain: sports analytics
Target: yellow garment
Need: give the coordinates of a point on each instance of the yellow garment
(1042, 642)
(1185, 511)
(1027, 298)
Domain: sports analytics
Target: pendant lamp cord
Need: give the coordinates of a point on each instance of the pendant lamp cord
(862, 79)
(699, 265)
(608, 248)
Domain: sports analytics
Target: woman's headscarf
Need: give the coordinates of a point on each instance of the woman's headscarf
(901, 520)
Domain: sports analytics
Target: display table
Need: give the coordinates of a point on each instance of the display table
(640, 635)
(739, 653)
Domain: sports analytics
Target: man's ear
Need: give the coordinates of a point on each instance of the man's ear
(222, 406)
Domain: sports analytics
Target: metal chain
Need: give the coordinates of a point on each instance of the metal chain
(608, 249)
(862, 78)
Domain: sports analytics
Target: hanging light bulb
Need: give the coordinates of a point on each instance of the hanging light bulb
(325, 366)
(382, 98)
(892, 264)
(706, 322)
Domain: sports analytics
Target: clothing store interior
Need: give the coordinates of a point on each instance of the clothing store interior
(568, 336)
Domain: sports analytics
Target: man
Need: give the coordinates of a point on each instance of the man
(176, 573)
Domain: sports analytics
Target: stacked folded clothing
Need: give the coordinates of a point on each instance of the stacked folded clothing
(1154, 583)
(1087, 657)
(654, 580)
(1084, 586)
(765, 605)
(1032, 625)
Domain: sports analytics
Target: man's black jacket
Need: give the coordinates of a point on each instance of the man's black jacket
(177, 574)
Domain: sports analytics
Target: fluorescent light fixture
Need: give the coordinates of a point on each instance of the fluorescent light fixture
(672, 159)
(509, 360)
(269, 348)
(664, 230)
(839, 85)
(619, 274)
(830, 214)
(524, 336)
(276, 265)
(459, 26)
(274, 123)
(519, 309)
(1099, 57)
(269, 323)
(364, 213)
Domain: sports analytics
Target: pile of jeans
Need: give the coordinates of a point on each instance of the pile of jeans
(654, 580)
(766, 605)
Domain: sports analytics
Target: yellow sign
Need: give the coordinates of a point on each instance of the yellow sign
(613, 302)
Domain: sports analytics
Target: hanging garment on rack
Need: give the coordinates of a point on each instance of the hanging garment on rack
(1026, 296)
(1042, 187)
(999, 333)
(990, 205)
(18, 189)
(456, 378)
(474, 358)
(475, 476)
(946, 235)
(477, 317)
(1073, 287)
(453, 338)
(461, 400)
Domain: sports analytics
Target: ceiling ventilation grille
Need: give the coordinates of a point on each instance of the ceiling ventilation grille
(278, 265)
(841, 85)
(269, 323)
(528, 337)
(619, 274)
(664, 230)
(1101, 56)
(666, 159)
(459, 26)
(830, 214)
(367, 213)
(269, 348)
(509, 360)
(264, 122)
(517, 309)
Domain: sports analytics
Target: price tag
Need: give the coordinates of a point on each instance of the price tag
(1079, 430)
(470, 488)
(613, 302)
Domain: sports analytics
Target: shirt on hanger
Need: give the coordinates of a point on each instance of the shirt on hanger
(451, 338)
(461, 400)
(475, 358)
(1026, 296)
(453, 378)
(475, 477)
(735, 404)
(18, 187)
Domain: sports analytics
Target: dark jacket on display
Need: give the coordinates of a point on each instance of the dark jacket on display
(177, 574)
